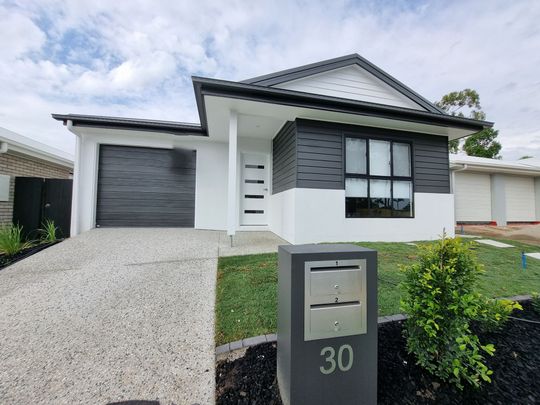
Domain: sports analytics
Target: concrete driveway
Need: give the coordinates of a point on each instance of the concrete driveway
(111, 315)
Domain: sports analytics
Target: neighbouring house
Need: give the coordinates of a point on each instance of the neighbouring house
(495, 191)
(333, 151)
(31, 172)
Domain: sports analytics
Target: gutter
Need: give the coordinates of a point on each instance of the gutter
(3, 147)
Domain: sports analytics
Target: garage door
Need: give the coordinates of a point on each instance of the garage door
(520, 205)
(472, 197)
(145, 187)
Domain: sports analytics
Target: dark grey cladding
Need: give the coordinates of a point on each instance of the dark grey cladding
(310, 154)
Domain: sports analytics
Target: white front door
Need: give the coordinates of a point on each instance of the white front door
(254, 189)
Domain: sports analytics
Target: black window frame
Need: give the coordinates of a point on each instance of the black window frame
(369, 177)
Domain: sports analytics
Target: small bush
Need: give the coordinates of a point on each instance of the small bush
(493, 314)
(441, 302)
(48, 232)
(11, 240)
(535, 301)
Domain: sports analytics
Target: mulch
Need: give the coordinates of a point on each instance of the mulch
(23, 254)
(516, 371)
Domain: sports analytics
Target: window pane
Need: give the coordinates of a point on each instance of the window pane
(380, 198)
(379, 188)
(379, 158)
(402, 159)
(355, 187)
(402, 201)
(356, 201)
(355, 155)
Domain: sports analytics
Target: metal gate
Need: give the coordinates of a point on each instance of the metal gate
(37, 200)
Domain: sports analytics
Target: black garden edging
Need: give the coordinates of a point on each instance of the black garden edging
(6, 261)
(251, 379)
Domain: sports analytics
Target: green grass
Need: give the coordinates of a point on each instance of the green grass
(247, 285)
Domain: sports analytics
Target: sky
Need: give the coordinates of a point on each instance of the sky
(135, 58)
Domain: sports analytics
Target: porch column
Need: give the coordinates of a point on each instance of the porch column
(74, 228)
(231, 190)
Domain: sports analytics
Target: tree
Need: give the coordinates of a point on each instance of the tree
(483, 143)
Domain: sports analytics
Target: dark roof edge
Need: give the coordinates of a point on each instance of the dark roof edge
(222, 88)
(336, 63)
(284, 75)
(96, 121)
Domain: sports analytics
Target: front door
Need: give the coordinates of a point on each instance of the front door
(254, 189)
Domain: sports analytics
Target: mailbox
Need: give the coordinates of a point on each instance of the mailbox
(327, 324)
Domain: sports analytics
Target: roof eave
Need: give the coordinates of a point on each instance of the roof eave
(222, 88)
(131, 124)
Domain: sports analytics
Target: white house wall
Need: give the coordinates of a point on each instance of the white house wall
(351, 82)
(283, 214)
(319, 216)
(211, 173)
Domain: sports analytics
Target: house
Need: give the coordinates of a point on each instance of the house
(23, 158)
(332, 151)
(495, 191)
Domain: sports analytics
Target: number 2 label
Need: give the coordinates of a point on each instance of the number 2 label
(330, 353)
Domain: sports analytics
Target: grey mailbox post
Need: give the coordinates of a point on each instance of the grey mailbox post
(327, 325)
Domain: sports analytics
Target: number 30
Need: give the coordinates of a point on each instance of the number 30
(330, 353)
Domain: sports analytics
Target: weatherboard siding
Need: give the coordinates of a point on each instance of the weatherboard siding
(351, 82)
(284, 158)
(320, 157)
(313, 157)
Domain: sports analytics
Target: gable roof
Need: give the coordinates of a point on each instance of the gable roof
(283, 76)
(244, 91)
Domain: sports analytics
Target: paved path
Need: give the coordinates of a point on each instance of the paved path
(494, 243)
(111, 315)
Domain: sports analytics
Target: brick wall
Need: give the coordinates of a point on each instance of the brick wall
(18, 166)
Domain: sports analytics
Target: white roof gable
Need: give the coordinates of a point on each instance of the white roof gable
(351, 82)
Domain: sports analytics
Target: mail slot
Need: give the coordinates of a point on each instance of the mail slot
(334, 294)
(335, 320)
(327, 324)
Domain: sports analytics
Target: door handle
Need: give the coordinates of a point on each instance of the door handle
(47, 205)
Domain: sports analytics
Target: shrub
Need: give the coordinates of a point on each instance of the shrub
(493, 314)
(441, 302)
(11, 240)
(48, 232)
(535, 301)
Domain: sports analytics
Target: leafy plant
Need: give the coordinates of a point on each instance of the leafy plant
(48, 232)
(493, 314)
(441, 302)
(535, 301)
(11, 240)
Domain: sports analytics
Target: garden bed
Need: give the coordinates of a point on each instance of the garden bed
(516, 365)
(23, 254)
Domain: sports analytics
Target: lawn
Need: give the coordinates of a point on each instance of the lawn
(247, 285)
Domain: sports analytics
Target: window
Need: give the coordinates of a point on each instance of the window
(378, 179)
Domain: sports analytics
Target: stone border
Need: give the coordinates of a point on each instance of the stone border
(257, 340)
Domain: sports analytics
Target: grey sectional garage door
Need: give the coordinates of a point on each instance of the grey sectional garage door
(145, 187)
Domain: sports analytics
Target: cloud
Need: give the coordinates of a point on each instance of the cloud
(136, 58)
